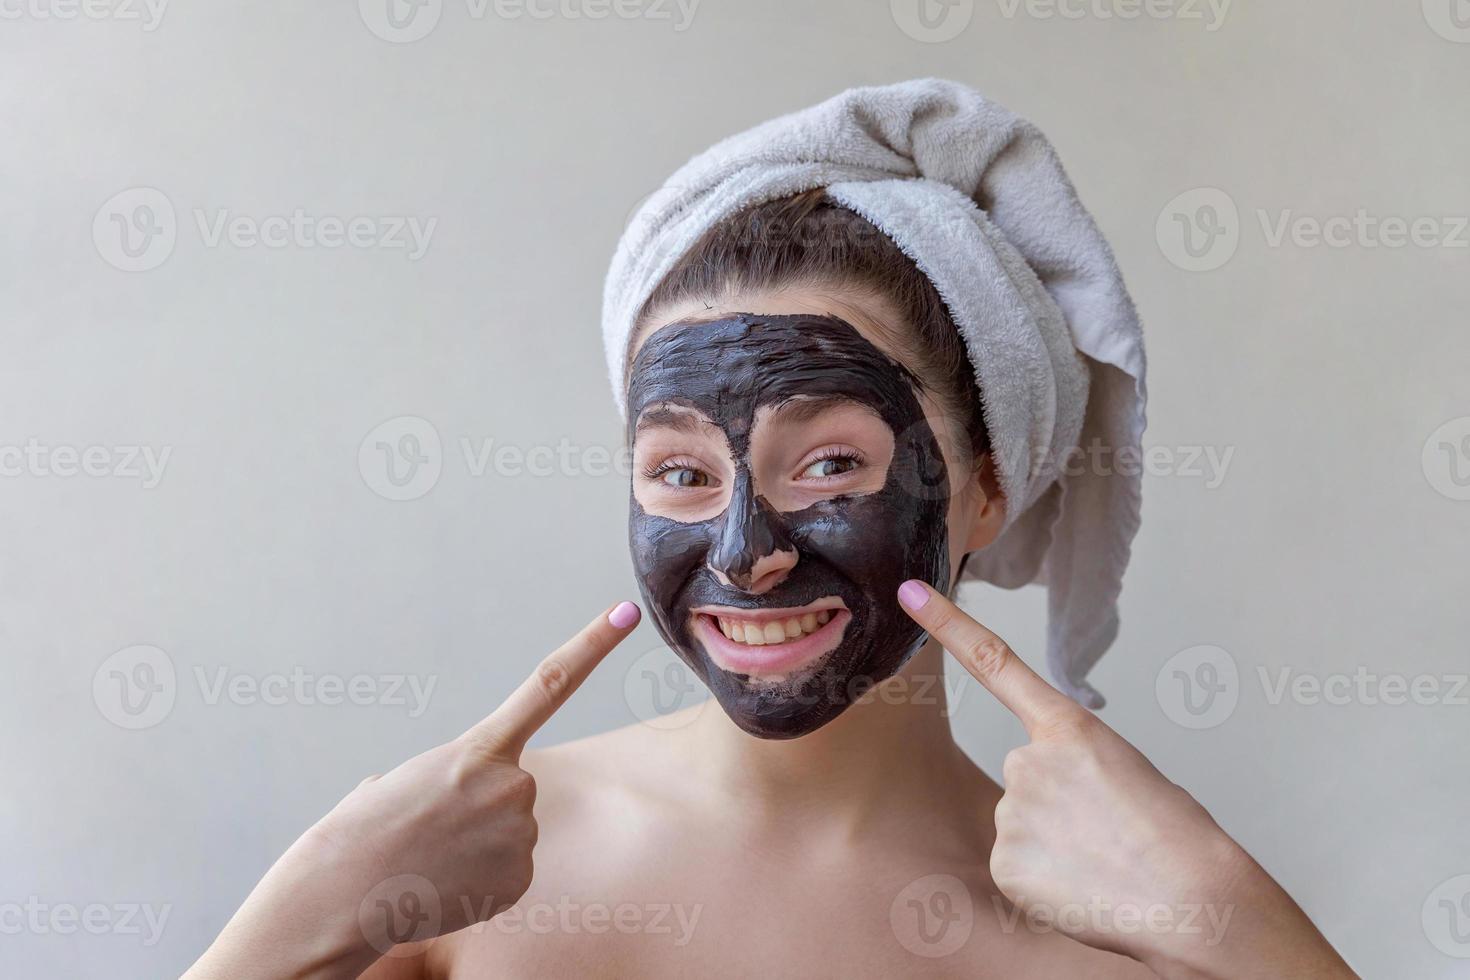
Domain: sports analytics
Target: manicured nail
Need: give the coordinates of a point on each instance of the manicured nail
(624, 615)
(913, 594)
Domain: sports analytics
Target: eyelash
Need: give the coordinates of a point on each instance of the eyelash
(654, 472)
(833, 452)
(670, 465)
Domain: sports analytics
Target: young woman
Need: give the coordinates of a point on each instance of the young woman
(811, 449)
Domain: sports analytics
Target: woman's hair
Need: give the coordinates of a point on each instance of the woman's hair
(811, 240)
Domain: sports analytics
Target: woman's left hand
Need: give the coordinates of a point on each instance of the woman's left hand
(1093, 840)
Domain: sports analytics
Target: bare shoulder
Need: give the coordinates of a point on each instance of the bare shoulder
(612, 769)
(603, 805)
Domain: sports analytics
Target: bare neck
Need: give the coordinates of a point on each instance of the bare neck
(894, 746)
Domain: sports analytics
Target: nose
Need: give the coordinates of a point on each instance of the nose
(752, 552)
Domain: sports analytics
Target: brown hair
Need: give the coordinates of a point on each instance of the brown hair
(810, 239)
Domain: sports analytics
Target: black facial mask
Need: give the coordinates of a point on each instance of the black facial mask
(857, 547)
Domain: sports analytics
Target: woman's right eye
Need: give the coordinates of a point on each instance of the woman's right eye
(685, 476)
(681, 473)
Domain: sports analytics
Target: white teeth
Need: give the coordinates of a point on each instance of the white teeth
(774, 632)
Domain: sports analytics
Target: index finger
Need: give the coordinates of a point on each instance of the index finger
(505, 731)
(988, 658)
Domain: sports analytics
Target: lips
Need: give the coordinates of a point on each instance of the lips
(770, 644)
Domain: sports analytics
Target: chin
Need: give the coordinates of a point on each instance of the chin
(799, 705)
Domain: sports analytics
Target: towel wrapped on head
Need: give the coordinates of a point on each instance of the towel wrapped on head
(977, 198)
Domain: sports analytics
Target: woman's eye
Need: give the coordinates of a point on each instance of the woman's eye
(684, 476)
(830, 466)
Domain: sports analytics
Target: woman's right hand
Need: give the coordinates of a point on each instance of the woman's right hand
(435, 845)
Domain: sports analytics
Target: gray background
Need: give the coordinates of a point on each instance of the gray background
(1332, 543)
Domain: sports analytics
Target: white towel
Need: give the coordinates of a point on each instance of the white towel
(978, 199)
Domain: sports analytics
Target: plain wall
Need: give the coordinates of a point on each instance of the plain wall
(1334, 543)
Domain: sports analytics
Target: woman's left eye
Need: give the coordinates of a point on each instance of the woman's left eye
(830, 466)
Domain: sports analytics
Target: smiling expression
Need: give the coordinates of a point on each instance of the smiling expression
(786, 481)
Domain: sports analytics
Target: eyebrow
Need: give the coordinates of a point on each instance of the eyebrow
(663, 417)
(800, 410)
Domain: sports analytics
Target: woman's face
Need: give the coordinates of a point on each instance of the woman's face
(788, 475)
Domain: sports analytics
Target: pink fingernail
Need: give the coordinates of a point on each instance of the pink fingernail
(913, 594)
(625, 615)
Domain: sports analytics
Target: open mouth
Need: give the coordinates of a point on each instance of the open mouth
(771, 643)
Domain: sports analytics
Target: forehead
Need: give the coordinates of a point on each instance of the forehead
(732, 366)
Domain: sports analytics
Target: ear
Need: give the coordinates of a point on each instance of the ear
(986, 510)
